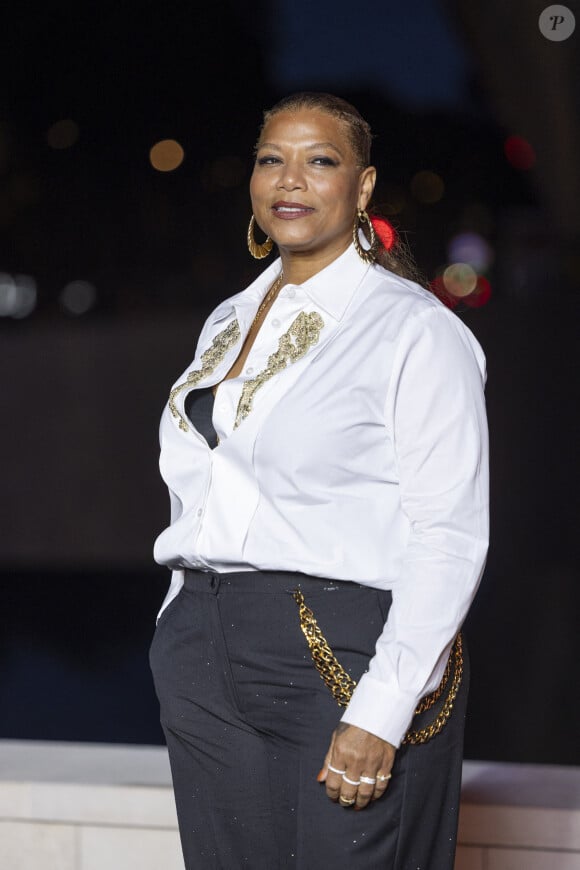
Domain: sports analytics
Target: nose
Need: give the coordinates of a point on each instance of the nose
(291, 177)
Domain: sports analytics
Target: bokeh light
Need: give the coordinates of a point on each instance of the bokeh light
(166, 155)
(78, 297)
(427, 186)
(471, 248)
(519, 152)
(63, 134)
(453, 292)
(459, 279)
(17, 295)
(480, 295)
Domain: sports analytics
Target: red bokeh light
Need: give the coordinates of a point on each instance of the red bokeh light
(519, 152)
(480, 295)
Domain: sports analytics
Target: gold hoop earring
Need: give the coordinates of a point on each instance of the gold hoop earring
(367, 255)
(256, 250)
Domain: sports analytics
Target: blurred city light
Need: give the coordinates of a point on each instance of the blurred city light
(519, 152)
(459, 279)
(471, 248)
(63, 134)
(427, 186)
(17, 295)
(166, 155)
(480, 295)
(78, 297)
(453, 291)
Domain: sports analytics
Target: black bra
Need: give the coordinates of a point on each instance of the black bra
(198, 407)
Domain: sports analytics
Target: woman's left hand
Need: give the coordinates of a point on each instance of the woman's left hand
(359, 754)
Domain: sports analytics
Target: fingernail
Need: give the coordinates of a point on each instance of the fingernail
(320, 776)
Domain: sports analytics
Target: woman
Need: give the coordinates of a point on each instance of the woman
(328, 532)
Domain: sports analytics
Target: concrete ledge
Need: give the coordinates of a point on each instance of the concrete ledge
(519, 817)
(70, 806)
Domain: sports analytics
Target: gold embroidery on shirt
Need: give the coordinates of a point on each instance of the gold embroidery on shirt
(303, 334)
(210, 359)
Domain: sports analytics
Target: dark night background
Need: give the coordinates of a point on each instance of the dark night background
(108, 268)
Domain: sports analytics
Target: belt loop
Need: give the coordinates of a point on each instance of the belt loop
(214, 583)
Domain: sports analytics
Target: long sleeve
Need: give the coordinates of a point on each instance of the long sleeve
(435, 410)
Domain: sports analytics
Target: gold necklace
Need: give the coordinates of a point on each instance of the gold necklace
(268, 298)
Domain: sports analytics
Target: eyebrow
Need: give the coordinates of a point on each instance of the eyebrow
(312, 147)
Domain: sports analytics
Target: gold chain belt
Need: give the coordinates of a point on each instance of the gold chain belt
(342, 685)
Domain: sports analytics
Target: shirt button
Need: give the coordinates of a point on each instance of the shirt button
(291, 292)
(276, 322)
(199, 512)
(249, 370)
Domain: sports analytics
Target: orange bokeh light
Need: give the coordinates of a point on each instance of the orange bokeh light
(166, 155)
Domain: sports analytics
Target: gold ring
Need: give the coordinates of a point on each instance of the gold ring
(382, 778)
(346, 802)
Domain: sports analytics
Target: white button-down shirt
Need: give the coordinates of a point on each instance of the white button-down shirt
(356, 451)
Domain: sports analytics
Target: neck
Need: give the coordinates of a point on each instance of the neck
(299, 266)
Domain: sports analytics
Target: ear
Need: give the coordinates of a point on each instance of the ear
(367, 181)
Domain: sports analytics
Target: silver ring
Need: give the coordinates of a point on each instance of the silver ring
(336, 770)
(350, 781)
(368, 780)
(382, 778)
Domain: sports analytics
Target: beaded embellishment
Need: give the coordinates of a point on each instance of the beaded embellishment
(304, 333)
(210, 359)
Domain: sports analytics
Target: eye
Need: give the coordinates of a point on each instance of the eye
(324, 161)
(267, 160)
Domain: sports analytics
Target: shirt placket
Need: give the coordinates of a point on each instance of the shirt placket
(283, 312)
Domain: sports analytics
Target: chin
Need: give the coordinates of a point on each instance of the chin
(293, 241)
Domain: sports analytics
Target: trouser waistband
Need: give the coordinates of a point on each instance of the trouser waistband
(262, 581)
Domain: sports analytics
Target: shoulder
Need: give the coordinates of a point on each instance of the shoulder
(410, 296)
(417, 315)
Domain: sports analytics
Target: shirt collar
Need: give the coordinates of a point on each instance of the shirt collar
(331, 289)
(334, 286)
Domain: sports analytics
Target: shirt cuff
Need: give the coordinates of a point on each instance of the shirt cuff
(381, 708)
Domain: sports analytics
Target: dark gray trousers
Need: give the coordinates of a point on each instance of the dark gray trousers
(248, 721)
